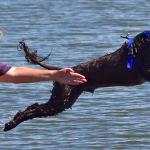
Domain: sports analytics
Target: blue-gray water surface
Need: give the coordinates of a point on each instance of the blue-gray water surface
(74, 31)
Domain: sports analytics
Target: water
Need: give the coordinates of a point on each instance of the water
(75, 31)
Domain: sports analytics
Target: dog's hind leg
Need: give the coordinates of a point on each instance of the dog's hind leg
(63, 97)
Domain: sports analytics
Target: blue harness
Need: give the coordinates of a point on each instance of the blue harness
(133, 44)
(131, 58)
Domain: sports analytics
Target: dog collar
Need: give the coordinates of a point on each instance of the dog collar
(131, 56)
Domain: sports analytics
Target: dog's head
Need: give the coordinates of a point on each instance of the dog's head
(139, 54)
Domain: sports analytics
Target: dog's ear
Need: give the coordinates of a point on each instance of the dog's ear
(143, 60)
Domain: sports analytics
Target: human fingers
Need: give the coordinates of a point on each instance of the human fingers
(73, 77)
(74, 82)
(69, 70)
(74, 74)
(78, 76)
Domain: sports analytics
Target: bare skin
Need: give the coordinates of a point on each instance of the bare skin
(29, 75)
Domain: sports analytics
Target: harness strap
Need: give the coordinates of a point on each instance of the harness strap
(132, 62)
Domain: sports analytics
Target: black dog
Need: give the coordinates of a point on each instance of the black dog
(128, 66)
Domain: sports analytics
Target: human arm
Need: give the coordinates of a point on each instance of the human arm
(29, 75)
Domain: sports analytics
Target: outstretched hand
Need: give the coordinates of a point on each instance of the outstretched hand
(68, 76)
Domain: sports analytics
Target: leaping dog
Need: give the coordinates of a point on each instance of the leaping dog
(127, 66)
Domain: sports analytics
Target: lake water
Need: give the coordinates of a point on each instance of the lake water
(75, 31)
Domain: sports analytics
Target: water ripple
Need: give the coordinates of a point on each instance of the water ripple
(75, 31)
